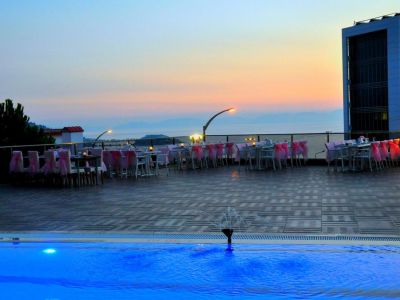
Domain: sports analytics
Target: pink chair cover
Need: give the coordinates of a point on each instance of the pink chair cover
(116, 159)
(229, 149)
(50, 165)
(375, 151)
(107, 159)
(295, 148)
(165, 155)
(279, 151)
(330, 148)
(394, 149)
(16, 162)
(304, 149)
(100, 152)
(239, 151)
(64, 162)
(384, 149)
(33, 157)
(212, 151)
(220, 150)
(285, 148)
(198, 150)
(130, 158)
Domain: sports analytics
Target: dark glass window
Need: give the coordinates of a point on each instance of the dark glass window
(368, 82)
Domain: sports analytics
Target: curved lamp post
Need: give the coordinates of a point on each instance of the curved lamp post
(212, 118)
(100, 135)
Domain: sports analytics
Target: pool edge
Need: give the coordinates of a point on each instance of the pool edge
(195, 238)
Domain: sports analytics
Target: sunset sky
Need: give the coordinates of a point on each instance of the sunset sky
(102, 64)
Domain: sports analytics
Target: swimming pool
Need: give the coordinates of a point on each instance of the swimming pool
(195, 271)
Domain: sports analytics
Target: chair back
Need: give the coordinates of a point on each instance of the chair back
(197, 151)
(16, 162)
(116, 156)
(330, 151)
(240, 151)
(220, 150)
(130, 158)
(107, 159)
(50, 166)
(376, 154)
(304, 149)
(296, 148)
(229, 149)
(394, 149)
(33, 157)
(163, 157)
(212, 151)
(279, 151)
(285, 148)
(64, 162)
(384, 150)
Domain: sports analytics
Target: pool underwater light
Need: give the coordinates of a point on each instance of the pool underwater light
(49, 251)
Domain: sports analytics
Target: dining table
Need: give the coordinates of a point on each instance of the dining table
(84, 160)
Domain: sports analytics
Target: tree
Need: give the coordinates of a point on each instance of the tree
(15, 128)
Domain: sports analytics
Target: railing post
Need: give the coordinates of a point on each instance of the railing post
(151, 143)
(227, 138)
(102, 145)
(291, 138)
(327, 137)
(258, 138)
(75, 149)
(173, 141)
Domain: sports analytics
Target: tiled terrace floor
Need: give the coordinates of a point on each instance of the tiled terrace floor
(300, 200)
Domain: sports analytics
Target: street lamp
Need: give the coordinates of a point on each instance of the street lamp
(212, 118)
(100, 135)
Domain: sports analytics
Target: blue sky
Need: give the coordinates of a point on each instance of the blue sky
(116, 64)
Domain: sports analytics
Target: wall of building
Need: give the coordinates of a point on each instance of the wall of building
(72, 137)
(392, 25)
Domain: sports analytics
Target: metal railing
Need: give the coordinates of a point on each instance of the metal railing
(316, 141)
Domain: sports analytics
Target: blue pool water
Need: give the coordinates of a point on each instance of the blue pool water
(167, 271)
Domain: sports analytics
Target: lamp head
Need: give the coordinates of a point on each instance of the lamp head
(109, 131)
(232, 109)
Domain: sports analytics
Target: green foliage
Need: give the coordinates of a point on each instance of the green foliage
(15, 128)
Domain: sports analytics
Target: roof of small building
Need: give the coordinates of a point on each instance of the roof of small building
(72, 129)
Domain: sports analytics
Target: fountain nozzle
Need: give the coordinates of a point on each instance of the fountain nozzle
(228, 233)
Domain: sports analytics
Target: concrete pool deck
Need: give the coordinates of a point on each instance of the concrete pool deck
(304, 200)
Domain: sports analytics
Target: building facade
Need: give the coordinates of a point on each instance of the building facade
(371, 77)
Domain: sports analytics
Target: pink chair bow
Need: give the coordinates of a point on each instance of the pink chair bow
(16, 163)
(375, 151)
